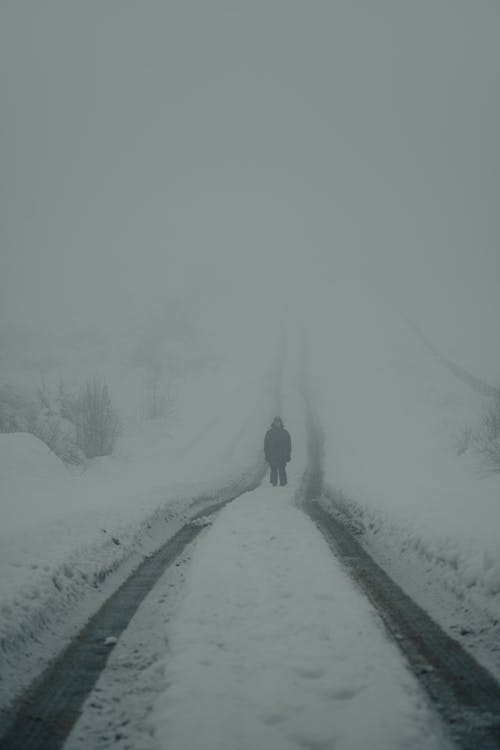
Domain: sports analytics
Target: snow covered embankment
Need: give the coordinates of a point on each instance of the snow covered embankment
(68, 541)
(453, 578)
(392, 417)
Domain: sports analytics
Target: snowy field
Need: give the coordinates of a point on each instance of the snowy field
(69, 536)
(217, 213)
(263, 611)
(395, 461)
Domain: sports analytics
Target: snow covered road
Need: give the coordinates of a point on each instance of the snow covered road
(258, 637)
(273, 646)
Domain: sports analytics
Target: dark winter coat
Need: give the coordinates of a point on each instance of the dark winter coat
(277, 446)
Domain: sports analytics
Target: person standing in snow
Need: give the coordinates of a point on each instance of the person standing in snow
(278, 451)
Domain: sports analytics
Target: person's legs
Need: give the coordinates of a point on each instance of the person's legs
(274, 475)
(283, 477)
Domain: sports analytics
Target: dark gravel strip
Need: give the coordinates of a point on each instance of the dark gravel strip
(465, 694)
(47, 713)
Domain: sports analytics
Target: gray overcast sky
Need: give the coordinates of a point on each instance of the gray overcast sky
(156, 147)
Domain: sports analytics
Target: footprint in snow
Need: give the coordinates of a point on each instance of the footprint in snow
(310, 673)
(310, 741)
(271, 719)
(322, 596)
(341, 694)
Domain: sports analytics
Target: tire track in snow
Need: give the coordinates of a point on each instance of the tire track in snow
(46, 714)
(465, 695)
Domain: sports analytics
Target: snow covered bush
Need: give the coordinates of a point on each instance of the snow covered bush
(463, 440)
(488, 437)
(18, 411)
(60, 436)
(93, 416)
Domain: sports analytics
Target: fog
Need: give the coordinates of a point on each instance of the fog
(212, 151)
(213, 212)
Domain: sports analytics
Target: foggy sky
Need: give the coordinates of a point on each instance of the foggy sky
(167, 148)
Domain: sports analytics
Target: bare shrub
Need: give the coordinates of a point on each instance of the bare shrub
(18, 411)
(159, 402)
(94, 417)
(60, 436)
(464, 440)
(487, 440)
(75, 427)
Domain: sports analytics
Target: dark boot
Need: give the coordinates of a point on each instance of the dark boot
(274, 475)
(283, 477)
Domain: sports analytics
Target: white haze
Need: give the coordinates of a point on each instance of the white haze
(205, 151)
(195, 195)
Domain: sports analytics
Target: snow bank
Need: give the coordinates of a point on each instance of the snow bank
(67, 540)
(393, 418)
(23, 455)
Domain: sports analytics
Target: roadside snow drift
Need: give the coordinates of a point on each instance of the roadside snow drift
(396, 460)
(66, 538)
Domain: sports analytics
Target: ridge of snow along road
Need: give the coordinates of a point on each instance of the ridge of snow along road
(400, 461)
(57, 573)
(273, 646)
(69, 539)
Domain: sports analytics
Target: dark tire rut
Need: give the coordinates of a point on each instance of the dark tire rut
(45, 715)
(465, 694)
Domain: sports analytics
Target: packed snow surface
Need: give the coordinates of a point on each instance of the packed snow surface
(274, 646)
